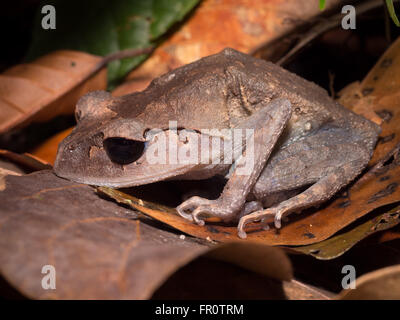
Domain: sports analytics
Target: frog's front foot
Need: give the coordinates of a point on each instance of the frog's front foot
(195, 207)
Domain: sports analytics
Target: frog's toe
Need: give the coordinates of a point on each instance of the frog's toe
(266, 216)
(181, 211)
(279, 216)
(242, 234)
(196, 213)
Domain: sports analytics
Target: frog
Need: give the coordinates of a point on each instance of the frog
(303, 145)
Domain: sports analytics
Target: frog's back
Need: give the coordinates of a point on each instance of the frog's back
(313, 109)
(220, 90)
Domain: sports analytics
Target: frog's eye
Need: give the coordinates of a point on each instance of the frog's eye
(123, 151)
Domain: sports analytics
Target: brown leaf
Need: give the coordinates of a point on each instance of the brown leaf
(297, 290)
(377, 97)
(243, 25)
(26, 162)
(48, 86)
(225, 281)
(100, 250)
(17, 164)
(382, 284)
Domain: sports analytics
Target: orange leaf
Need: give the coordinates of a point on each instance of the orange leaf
(48, 150)
(46, 87)
(240, 24)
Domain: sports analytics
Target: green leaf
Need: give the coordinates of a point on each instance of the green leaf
(322, 4)
(392, 13)
(102, 27)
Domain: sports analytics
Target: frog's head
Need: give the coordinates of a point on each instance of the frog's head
(109, 150)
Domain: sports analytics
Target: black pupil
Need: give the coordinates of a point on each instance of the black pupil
(123, 151)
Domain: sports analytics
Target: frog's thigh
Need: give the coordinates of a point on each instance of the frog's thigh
(322, 190)
(304, 163)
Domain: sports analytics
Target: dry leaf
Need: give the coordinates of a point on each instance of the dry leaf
(46, 87)
(26, 162)
(243, 25)
(341, 243)
(225, 281)
(378, 95)
(17, 164)
(297, 290)
(100, 250)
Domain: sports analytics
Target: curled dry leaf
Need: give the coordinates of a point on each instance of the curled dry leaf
(100, 250)
(382, 284)
(46, 87)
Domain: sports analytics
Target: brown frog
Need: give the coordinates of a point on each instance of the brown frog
(303, 146)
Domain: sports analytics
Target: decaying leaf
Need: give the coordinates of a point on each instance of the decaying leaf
(341, 243)
(48, 86)
(100, 250)
(382, 284)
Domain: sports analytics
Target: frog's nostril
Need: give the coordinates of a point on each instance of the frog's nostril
(123, 151)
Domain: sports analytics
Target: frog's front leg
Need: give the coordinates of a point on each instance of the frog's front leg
(268, 124)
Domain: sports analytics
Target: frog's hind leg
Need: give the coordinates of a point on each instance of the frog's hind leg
(250, 207)
(316, 194)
